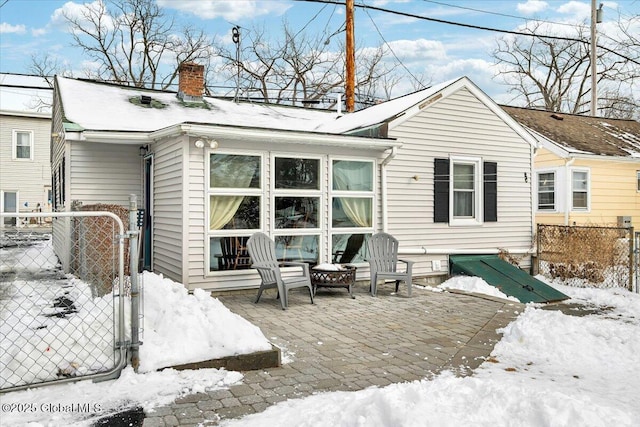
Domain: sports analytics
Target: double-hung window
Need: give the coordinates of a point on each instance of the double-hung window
(546, 191)
(465, 191)
(352, 203)
(638, 180)
(22, 145)
(235, 208)
(580, 190)
(296, 208)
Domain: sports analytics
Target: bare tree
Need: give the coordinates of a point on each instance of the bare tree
(46, 66)
(555, 73)
(299, 68)
(130, 42)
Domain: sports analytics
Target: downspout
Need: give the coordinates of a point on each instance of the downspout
(567, 206)
(383, 183)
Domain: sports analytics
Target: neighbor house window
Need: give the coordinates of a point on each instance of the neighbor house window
(465, 191)
(22, 145)
(638, 181)
(580, 190)
(352, 203)
(296, 208)
(235, 208)
(546, 191)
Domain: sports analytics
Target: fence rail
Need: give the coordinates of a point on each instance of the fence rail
(63, 309)
(587, 256)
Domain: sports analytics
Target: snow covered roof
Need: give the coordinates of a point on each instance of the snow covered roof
(91, 105)
(25, 95)
(577, 134)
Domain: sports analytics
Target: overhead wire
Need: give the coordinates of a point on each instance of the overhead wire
(391, 49)
(477, 27)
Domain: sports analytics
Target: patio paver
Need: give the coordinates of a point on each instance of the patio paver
(344, 344)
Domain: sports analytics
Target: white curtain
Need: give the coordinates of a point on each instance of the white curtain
(229, 171)
(354, 176)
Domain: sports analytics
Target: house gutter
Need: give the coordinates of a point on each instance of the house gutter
(567, 207)
(383, 180)
(239, 133)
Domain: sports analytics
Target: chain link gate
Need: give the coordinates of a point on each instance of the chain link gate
(63, 299)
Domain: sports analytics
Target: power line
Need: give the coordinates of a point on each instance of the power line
(495, 13)
(391, 49)
(476, 27)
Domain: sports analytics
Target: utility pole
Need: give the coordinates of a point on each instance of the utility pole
(350, 85)
(596, 18)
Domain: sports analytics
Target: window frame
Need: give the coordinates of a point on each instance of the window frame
(555, 190)
(14, 145)
(291, 192)
(587, 208)
(478, 208)
(209, 191)
(331, 194)
(638, 181)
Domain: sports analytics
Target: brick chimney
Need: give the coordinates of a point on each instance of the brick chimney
(190, 82)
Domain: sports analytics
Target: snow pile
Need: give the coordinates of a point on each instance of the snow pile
(475, 285)
(181, 328)
(549, 369)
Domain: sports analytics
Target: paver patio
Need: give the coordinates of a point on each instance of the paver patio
(344, 344)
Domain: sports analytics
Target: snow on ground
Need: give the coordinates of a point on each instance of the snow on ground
(549, 369)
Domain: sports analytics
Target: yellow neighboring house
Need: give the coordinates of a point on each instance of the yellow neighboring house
(587, 169)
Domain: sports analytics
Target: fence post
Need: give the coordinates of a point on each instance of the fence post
(631, 258)
(134, 234)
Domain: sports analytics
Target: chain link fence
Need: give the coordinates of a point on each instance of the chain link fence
(63, 310)
(586, 256)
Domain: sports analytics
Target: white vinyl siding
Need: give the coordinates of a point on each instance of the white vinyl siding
(168, 206)
(27, 176)
(92, 165)
(458, 125)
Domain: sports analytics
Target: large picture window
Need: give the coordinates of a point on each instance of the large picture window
(352, 204)
(296, 209)
(546, 191)
(235, 206)
(22, 145)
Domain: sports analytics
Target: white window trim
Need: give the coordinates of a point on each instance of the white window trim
(478, 190)
(208, 192)
(337, 193)
(588, 172)
(14, 145)
(290, 192)
(638, 181)
(556, 190)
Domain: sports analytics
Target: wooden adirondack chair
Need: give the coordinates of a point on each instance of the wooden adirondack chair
(383, 262)
(262, 250)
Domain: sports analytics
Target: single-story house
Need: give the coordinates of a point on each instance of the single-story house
(445, 170)
(587, 169)
(25, 129)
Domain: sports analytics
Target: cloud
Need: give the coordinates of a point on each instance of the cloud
(8, 28)
(532, 6)
(576, 11)
(418, 50)
(227, 9)
(76, 11)
(37, 32)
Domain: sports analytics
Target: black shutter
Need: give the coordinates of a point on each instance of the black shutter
(490, 182)
(441, 191)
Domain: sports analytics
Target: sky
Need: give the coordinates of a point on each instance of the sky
(549, 368)
(435, 51)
